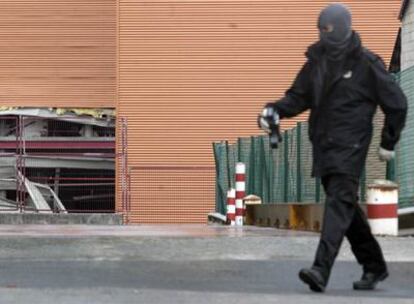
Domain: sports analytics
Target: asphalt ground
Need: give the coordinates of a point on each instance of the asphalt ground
(183, 264)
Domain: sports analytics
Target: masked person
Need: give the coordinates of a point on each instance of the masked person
(342, 83)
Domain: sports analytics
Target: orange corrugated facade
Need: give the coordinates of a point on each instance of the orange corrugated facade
(187, 73)
(194, 72)
(58, 53)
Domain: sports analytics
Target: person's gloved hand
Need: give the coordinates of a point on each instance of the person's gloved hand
(266, 118)
(385, 155)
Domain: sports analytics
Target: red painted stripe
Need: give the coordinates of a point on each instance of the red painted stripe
(382, 211)
(240, 177)
(231, 201)
(240, 194)
(60, 144)
(231, 216)
(239, 212)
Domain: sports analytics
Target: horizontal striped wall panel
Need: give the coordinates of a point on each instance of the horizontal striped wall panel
(194, 72)
(158, 198)
(58, 53)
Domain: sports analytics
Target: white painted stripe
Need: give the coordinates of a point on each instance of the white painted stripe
(232, 223)
(231, 209)
(384, 226)
(240, 168)
(239, 203)
(239, 221)
(231, 193)
(378, 197)
(240, 186)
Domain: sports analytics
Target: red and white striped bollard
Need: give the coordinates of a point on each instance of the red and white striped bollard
(382, 207)
(231, 207)
(240, 192)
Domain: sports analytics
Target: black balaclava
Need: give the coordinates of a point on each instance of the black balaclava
(337, 19)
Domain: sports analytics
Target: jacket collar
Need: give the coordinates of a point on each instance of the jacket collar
(315, 54)
(316, 51)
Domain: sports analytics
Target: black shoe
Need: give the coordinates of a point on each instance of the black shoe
(369, 280)
(313, 278)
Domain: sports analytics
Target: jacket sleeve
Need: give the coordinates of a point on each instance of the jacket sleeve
(393, 103)
(297, 98)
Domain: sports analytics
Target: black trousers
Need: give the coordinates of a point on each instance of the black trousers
(344, 217)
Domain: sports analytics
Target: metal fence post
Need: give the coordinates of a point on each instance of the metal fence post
(318, 189)
(390, 175)
(286, 167)
(228, 166)
(239, 149)
(219, 190)
(298, 163)
(262, 168)
(265, 170)
(252, 173)
(270, 171)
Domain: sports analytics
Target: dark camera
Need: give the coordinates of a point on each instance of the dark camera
(274, 135)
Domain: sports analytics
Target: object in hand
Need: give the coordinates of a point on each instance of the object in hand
(269, 121)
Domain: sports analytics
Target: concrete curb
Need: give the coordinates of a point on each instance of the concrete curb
(60, 219)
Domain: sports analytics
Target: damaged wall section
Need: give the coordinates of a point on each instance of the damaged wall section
(57, 160)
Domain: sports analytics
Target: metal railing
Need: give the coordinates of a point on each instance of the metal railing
(61, 166)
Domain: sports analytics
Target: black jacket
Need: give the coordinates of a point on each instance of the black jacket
(342, 107)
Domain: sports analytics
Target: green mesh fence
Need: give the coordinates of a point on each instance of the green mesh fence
(403, 170)
(284, 174)
(276, 175)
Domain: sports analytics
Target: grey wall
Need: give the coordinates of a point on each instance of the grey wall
(407, 38)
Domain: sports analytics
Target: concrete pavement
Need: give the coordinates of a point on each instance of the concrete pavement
(182, 264)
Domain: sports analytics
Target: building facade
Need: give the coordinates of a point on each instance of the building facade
(182, 74)
(58, 53)
(191, 73)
